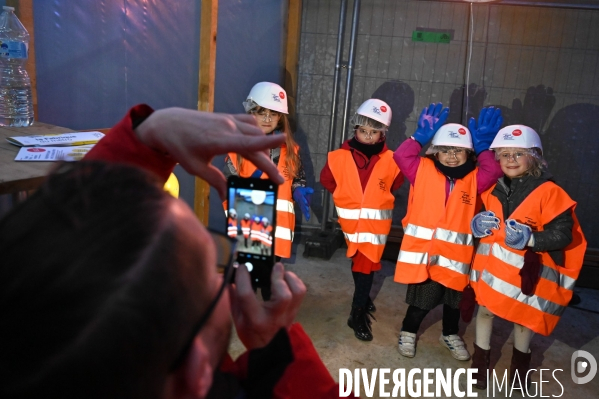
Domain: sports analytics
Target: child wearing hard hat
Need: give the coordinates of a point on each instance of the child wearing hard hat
(256, 232)
(362, 176)
(232, 223)
(530, 253)
(246, 224)
(437, 246)
(267, 102)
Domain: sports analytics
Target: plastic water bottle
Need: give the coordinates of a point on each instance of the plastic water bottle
(16, 103)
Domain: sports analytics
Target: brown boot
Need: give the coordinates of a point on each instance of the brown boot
(520, 362)
(480, 360)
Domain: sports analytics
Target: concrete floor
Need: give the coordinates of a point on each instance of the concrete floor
(327, 304)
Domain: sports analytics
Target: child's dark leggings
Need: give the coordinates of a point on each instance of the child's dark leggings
(415, 315)
(362, 284)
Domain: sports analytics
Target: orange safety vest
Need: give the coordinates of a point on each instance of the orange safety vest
(365, 216)
(267, 236)
(232, 227)
(256, 231)
(495, 273)
(285, 208)
(245, 227)
(437, 241)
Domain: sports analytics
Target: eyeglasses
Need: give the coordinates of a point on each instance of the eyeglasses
(225, 250)
(506, 156)
(267, 114)
(453, 152)
(367, 133)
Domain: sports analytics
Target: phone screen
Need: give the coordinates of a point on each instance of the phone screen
(251, 219)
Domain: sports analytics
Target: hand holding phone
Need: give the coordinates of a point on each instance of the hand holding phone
(257, 322)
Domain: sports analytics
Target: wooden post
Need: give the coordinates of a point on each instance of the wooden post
(291, 55)
(24, 11)
(208, 29)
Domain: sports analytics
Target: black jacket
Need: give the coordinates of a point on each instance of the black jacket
(557, 234)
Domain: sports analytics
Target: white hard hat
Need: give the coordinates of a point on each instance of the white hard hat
(264, 220)
(268, 95)
(257, 219)
(517, 136)
(247, 216)
(453, 135)
(232, 212)
(376, 109)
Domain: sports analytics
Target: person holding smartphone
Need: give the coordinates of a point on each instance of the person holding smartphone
(267, 103)
(110, 287)
(362, 176)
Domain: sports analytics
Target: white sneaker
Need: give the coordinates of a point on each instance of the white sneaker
(456, 346)
(407, 344)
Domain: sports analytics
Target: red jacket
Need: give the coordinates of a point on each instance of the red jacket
(306, 376)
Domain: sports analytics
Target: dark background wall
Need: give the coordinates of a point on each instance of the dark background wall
(537, 63)
(96, 59)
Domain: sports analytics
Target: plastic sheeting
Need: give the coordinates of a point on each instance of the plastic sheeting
(96, 59)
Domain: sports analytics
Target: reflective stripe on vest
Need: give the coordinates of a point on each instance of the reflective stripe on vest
(436, 230)
(283, 233)
(515, 293)
(375, 239)
(285, 206)
(365, 214)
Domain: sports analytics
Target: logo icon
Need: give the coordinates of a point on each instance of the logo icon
(580, 366)
(517, 132)
(276, 98)
(453, 135)
(383, 108)
(462, 131)
(36, 150)
(282, 95)
(376, 110)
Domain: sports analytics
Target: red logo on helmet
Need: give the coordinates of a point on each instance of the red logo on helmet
(282, 95)
(383, 108)
(36, 150)
(517, 132)
(462, 131)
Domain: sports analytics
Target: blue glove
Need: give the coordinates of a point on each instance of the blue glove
(430, 120)
(303, 196)
(482, 223)
(257, 174)
(516, 234)
(489, 122)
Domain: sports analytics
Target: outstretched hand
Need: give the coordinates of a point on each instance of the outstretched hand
(489, 123)
(258, 322)
(430, 120)
(194, 138)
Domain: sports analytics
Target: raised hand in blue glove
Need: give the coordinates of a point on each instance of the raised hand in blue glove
(516, 234)
(482, 223)
(430, 120)
(303, 196)
(489, 122)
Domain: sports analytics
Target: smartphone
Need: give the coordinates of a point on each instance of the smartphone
(251, 219)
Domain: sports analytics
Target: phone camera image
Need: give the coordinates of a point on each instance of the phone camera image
(251, 218)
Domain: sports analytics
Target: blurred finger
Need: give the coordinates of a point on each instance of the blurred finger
(437, 110)
(431, 109)
(281, 295)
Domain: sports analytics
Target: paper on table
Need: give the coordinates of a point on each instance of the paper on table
(49, 154)
(57, 140)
